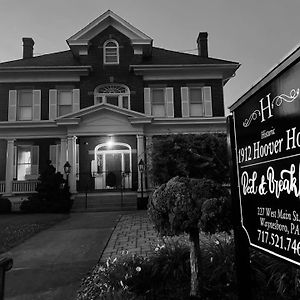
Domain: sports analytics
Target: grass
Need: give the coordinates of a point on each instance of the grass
(16, 228)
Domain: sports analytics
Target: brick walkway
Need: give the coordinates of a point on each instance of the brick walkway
(134, 233)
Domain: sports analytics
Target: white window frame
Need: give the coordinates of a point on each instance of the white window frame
(102, 93)
(163, 102)
(106, 54)
(34, 168)
(206, 101)
(19, 92)
(201, 103)
(59, 91)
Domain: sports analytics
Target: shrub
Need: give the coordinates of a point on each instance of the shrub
(184, 205)
(164, 274)
(274, 277)
(52, 195)
(195, 156)
(5, 205)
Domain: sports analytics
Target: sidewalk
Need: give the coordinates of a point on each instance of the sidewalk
(51, 264)
(134, 234)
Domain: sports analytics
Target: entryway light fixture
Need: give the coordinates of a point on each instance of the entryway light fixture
(110, 142)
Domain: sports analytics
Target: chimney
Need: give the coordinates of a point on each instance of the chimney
(27, 47)
(202, 44)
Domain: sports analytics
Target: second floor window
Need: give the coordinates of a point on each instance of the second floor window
(111, 52)
(25, 105)
(158, 102)
(115, 94)
(65, 102)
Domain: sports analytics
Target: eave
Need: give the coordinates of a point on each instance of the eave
(27, 124)
(189, 71)
(83, 70)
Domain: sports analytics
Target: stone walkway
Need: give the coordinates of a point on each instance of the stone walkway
(133, 234)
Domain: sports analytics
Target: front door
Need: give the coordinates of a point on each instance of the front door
(113, 172)
(112, 168)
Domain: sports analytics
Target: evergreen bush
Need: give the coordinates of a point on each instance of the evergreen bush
(52, 195)
(5, 205)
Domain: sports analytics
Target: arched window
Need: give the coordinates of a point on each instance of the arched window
(111, 52)
(115, 94)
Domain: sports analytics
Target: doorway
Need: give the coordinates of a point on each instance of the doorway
(113, 166)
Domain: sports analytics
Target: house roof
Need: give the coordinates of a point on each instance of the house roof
(63, 58)
(162, 56)
(159, 57)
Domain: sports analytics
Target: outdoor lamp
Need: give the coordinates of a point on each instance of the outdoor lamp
(67, 168)
(141, 165)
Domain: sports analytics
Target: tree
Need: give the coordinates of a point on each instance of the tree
(52, 193)
(194, 156)
(184, 205)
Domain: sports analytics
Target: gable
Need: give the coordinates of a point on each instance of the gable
(104, 122)
(80, 41)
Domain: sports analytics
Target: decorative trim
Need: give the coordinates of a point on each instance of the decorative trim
(277, 101)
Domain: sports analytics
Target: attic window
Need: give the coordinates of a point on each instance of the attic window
(111, 52)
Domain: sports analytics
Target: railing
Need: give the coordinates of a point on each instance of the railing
(2, 187)
(24, 186)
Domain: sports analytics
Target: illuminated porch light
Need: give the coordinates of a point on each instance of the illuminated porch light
(110, 142)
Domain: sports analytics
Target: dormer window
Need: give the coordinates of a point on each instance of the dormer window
(111, 52)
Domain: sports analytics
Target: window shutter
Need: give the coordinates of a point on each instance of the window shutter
(52, 104)
(170, 102)
(15, 163)
(36, 105)
(147, 101)
(35, 160)
(94, 166)
(76, 100)
(77, 161)
(185, 109)
(52, 154)
(207, 101)
(12, 105)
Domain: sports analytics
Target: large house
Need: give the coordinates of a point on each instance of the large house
(98, 105)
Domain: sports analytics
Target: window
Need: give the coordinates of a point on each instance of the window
(158, 102)
(196, 101)
(25, 105)
(65, 102)
(114, 94)
(111, 52)
(26, 164)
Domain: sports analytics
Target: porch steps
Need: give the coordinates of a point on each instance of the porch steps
(106, 201)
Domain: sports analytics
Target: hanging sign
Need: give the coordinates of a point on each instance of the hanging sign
(267, 133)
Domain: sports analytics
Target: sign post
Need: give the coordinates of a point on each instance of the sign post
(241, 242)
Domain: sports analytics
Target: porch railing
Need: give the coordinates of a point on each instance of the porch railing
(24, 186)
(2, 187)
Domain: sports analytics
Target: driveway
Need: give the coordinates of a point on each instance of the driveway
(51, 264)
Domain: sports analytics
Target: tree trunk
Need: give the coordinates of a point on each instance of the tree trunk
(195, 261)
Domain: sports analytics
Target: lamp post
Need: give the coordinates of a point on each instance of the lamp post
(141, 166)
(67, 170)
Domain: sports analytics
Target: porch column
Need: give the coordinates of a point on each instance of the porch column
(63, 154)
(149, 146)
(140, 155)
(72, 160)
(9, 173)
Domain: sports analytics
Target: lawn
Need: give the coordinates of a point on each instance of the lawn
(16, 228)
